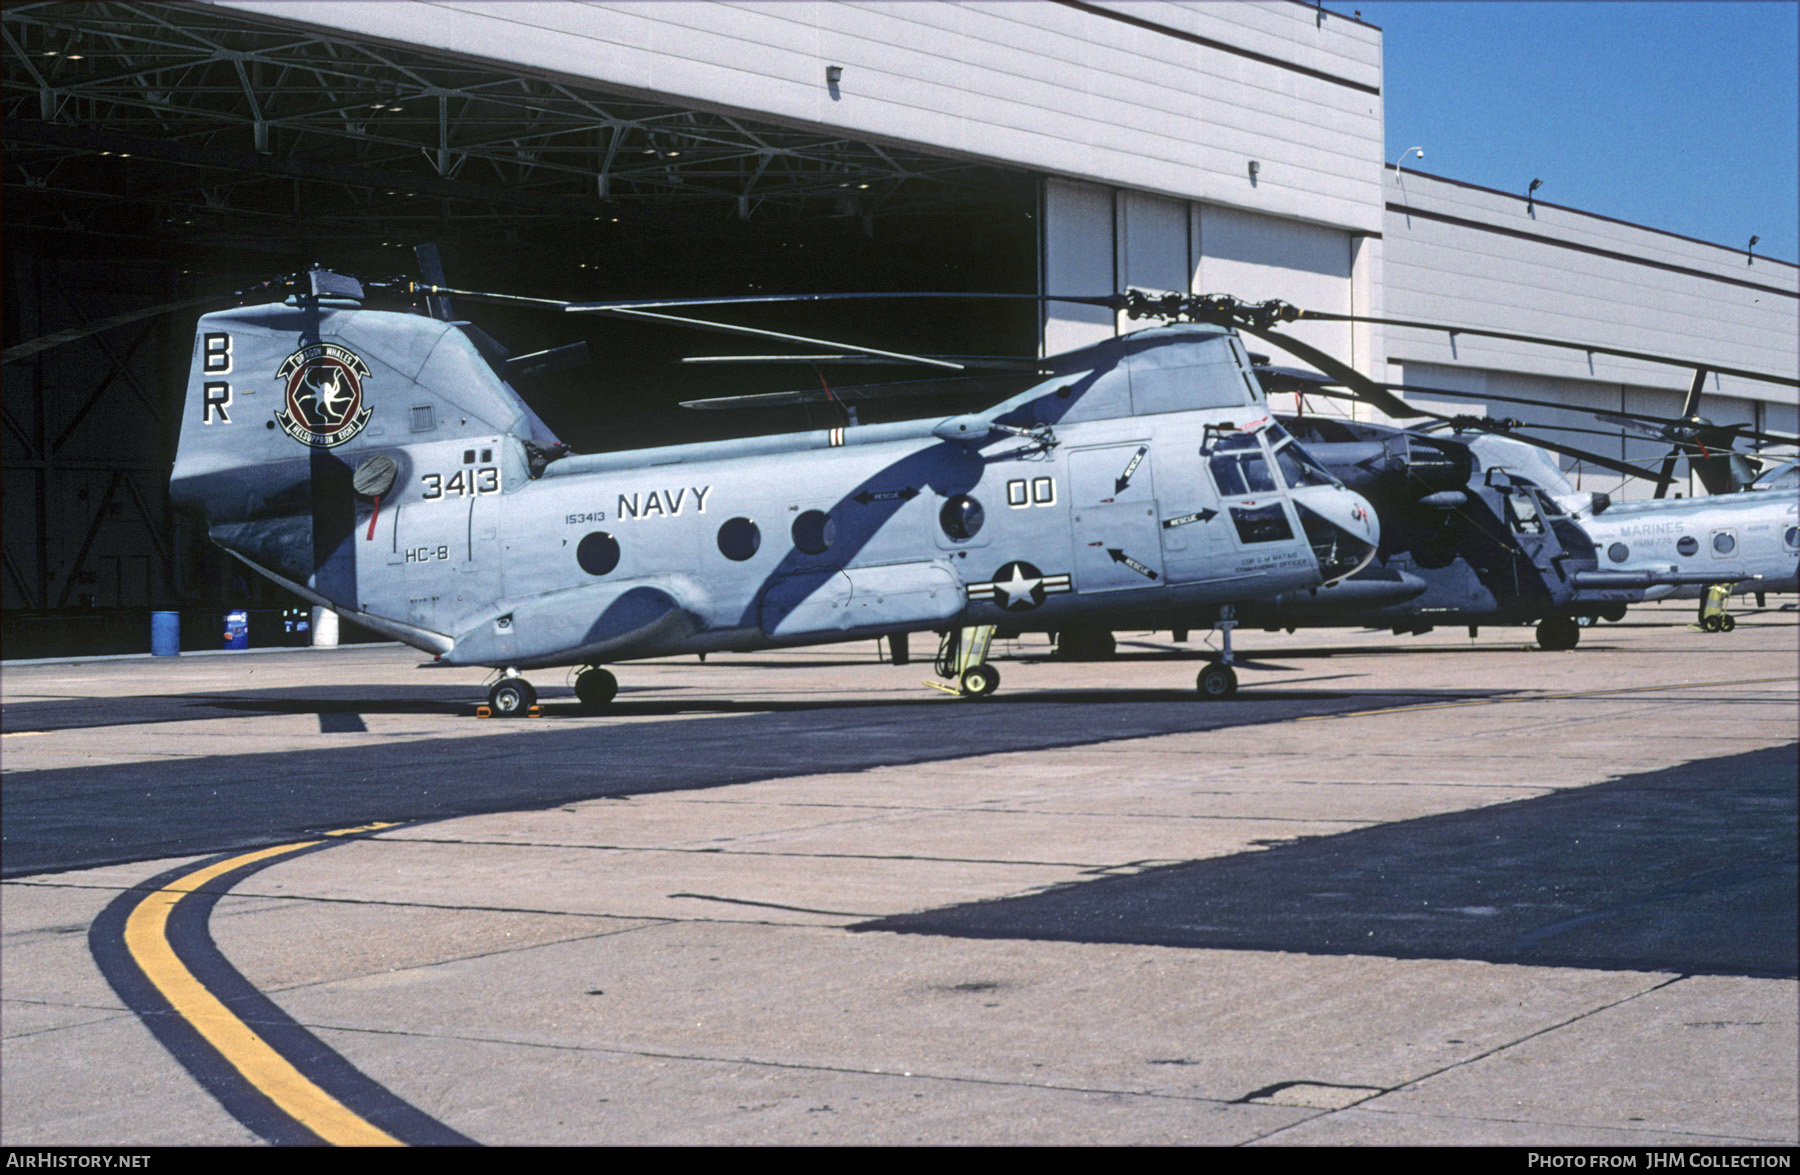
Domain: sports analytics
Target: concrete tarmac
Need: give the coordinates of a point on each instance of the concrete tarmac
(1403, 890)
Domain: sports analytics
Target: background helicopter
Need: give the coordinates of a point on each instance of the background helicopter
(424, 500)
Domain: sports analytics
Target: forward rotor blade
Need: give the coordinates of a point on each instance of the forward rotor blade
(1364, 387)
(1327, 316)
(1000, 363)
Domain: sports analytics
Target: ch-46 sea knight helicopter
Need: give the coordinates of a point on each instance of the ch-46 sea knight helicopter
(1479, 526)
(379, 462)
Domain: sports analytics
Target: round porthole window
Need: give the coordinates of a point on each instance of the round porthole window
(962, 517)
(739, 539)
(1618, 552)
(814, 532)
(1687, 545)
(1724, 543)
(1792, 538)
(598, 553)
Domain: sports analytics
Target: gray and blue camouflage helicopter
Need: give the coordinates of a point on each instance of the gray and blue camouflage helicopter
(1479, 526)
(380, 463)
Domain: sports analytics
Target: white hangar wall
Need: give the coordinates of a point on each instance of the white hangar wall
(1146, 116)
(1143, 118)
(1175, 98)
(1470, 256)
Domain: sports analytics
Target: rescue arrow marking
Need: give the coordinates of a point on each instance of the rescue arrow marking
(1202, 516)
(1137, 459)
(1119, 556)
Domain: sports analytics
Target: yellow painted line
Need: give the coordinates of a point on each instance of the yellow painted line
(1629, 689)
(375, 827)
(146, 937)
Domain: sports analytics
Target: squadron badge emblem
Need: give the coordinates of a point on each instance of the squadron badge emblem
(324, 402)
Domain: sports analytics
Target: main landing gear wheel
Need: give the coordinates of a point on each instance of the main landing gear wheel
(1558, 633)
(1216, 683)
(595, 687)
(512, 697)
(980, 681)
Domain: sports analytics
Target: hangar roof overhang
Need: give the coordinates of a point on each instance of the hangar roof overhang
(194, 125)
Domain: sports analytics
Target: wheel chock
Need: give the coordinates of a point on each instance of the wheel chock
(484, 711)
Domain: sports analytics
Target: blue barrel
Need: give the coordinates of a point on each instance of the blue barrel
(237, 629)
(165, 634)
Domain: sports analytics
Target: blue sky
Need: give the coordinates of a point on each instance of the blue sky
(1680, 116)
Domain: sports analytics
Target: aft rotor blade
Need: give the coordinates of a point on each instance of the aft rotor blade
(994, 387)
(1668, 471)
(1327, 316)
(75, 333)
(757, 332)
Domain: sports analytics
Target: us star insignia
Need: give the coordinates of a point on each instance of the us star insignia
(1019, 587)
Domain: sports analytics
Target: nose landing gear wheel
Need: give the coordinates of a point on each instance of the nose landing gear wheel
(980, 681)
(1216, 682)
(512, 697)
(595, 687)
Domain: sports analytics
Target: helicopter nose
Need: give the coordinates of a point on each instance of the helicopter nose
(1342, 528)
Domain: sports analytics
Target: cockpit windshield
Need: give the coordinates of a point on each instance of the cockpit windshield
(1239, 467)
(1522, 512)
(1298, 466)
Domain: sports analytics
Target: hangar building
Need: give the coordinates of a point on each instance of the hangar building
(159, 152)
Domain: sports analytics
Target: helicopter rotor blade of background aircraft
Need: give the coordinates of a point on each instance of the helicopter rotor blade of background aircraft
(1327, 316)
(1505, 428)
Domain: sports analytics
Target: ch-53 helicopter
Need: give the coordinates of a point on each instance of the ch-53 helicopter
(380, 463)
(1706, 547)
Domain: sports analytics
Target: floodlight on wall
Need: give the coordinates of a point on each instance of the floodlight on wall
(1530, 204)
(834, 74)
(1415, 152)
(1750, 250)
(1255, 170)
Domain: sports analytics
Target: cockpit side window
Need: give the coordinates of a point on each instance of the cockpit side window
(1242, 472)
(1522, 512)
